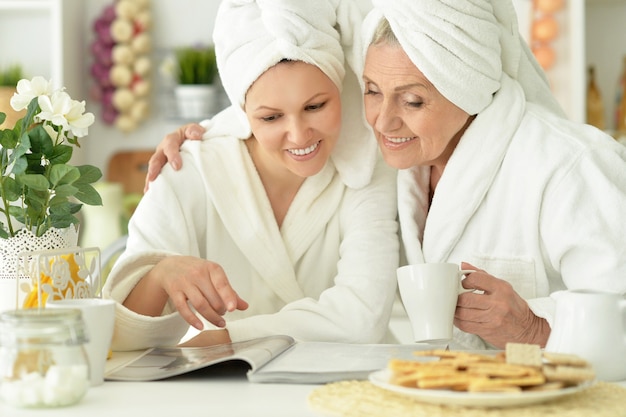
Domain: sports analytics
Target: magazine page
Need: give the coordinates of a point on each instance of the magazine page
(165, 362)
(323, 362)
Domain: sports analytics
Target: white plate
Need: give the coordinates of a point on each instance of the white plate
(473, 399)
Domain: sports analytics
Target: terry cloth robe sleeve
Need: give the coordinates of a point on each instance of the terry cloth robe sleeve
(169, 220)
(544, 209)
(327, 274)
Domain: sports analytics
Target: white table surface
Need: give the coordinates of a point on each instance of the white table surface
(220, 389)
(217, 391)
(196, 395)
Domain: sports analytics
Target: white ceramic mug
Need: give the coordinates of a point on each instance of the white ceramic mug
(429, 292)
(99, 317)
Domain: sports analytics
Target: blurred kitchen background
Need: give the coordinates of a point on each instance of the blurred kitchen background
(62, 40)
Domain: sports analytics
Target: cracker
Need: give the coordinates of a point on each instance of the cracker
(457, 382)
(564, 359)
(568, 374)
(500, 370)
(441, 353)
(403, 366)
(492, 386)
(520, 368)
(523, 354)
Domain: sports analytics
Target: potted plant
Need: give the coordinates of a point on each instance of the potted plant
(196, 65)
(194, 71)
(8, 80)
(40, 192)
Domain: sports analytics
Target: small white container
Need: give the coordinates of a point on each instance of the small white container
(42, 359)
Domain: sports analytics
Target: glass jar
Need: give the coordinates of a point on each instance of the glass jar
(42, 359)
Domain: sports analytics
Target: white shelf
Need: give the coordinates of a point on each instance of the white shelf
(53, 44)
(22, 5)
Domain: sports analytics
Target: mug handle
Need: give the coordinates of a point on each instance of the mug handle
(462, 273)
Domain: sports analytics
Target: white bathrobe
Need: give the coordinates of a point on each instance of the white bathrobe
(327, 274)
(529, 197)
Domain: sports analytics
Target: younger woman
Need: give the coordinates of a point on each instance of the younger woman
(283, 222)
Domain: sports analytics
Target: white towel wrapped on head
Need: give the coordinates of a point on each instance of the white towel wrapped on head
(252, 36)
(462, 47)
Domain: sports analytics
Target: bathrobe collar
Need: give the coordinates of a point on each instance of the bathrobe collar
(430, 235)
(246, 213)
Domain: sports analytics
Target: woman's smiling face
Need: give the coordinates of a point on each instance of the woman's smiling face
(294, 111)
(414, 124)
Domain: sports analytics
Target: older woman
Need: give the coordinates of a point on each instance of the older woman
(284, 222)
(491, 174)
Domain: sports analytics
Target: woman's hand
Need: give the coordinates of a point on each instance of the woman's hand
(169, 150)
(189, 282)
(499, 315)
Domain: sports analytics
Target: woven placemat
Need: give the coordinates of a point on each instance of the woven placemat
(363, 399)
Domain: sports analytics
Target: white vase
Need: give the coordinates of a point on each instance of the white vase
(26, 241)
(196, 101)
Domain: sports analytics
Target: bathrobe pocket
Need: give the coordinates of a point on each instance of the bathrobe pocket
(520, 273)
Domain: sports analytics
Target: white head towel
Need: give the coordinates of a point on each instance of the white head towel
(463, 46)
(251, 36)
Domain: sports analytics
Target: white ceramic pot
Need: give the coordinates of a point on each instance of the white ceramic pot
(196, 101)
(592, 325)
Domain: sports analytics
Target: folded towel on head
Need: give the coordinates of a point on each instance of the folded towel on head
(462, 47)
(251, 36)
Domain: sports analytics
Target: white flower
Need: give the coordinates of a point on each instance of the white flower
(66, 113)
(28, 90)
(54, 108)
(78, 120)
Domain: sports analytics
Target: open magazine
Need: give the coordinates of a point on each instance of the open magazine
(277, 359)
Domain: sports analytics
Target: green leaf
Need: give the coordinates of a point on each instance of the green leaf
(3, 117)
(10, 189)
(63, 174)
(89, 174)
(8, 139)
(20, 165)
(61, 154)
(3, 233)
(37, 199)
(33, 109)
(62, 221)
(40, 141)
(35, 214)
(75, 207)
(34, 181)
(34, 163)
(18, 213)
(61, 205)
(17, 158)
(88, 195)
(63, 191)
